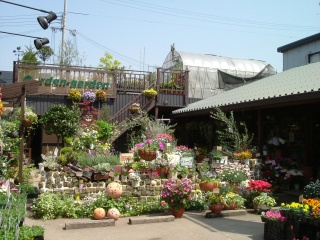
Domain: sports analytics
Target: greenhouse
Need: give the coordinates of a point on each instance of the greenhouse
(210, 74)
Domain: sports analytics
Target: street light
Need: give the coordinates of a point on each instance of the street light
(38, 43)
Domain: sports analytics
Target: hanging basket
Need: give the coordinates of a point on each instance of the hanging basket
(150, 96)
(147, 155)
(134, 109)
(26, 123)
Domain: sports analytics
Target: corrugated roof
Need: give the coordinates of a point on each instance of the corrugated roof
(297, 80)
(300, 42)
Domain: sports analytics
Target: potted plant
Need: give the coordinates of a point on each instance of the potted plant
(147, 149)
(177, 193)
(74, 95)
(264, 202)
(208, 180)
(233, 201)
(89, 96)
(215, 202)
(101, 95)
(135, 107)
(150, 93)
(234, 174)
(216, 155)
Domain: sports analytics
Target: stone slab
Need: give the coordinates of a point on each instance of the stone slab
(156, 219)
(90, 224)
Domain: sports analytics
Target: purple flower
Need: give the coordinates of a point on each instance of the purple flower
(91, 96)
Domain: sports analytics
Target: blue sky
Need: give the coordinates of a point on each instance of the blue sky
(139, 33)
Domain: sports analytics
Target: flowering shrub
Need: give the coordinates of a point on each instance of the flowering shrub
(264, 199)
(312, 190)
(74, 95)
(214, 198)
(231, 197)
(184, 151)
(177, 193)
(245, 155)
(277, 171)
(151, 93)
(89, 96)
(4, 187)
(233, 172)
(274, 215)
(258, 186)
(101, 95)
(296, 208)
(162, 162)
(150, 144)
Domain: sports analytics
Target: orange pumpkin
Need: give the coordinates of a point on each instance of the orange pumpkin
(99, 214)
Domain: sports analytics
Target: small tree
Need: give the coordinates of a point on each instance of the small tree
(107, 62)
(61, 121)
(230, 135)
(45, 53)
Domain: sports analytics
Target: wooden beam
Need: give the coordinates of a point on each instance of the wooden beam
(13, 91)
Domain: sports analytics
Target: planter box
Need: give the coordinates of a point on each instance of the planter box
(97, 176)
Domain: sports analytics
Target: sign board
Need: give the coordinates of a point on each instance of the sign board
(187, 161)
(126, 158)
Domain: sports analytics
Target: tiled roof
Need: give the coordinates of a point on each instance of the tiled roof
(299, 80)
(6, 77)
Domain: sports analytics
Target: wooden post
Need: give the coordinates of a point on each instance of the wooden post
(22, 99)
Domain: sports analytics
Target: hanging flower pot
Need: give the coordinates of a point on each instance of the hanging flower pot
(26, 123)
(147, 155)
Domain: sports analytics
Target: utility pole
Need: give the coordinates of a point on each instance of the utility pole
(64, 25)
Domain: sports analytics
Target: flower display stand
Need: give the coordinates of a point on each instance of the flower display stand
(147, 155)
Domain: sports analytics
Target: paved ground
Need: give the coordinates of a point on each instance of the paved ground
(193, 225)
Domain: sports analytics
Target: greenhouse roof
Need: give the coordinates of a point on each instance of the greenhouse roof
(296, 84)
(219, 62)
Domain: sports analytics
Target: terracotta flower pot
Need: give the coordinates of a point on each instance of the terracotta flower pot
(216, 208)
(208, 186)
(178, 212)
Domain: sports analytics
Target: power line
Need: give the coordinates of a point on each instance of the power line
(129, 60)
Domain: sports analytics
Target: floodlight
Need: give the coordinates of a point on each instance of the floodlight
(45, 21)
(38, 43)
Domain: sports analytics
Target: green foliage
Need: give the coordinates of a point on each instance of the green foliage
(107, 62)
(61, 121)
(47, 206)
(26, 186)
(12, 213)
(67, 155)
(29, 232)
(104, 130)
(230, 136)
(312, 190)
(100, 160)
(29, 56)
(45, 53)
(71, 55)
